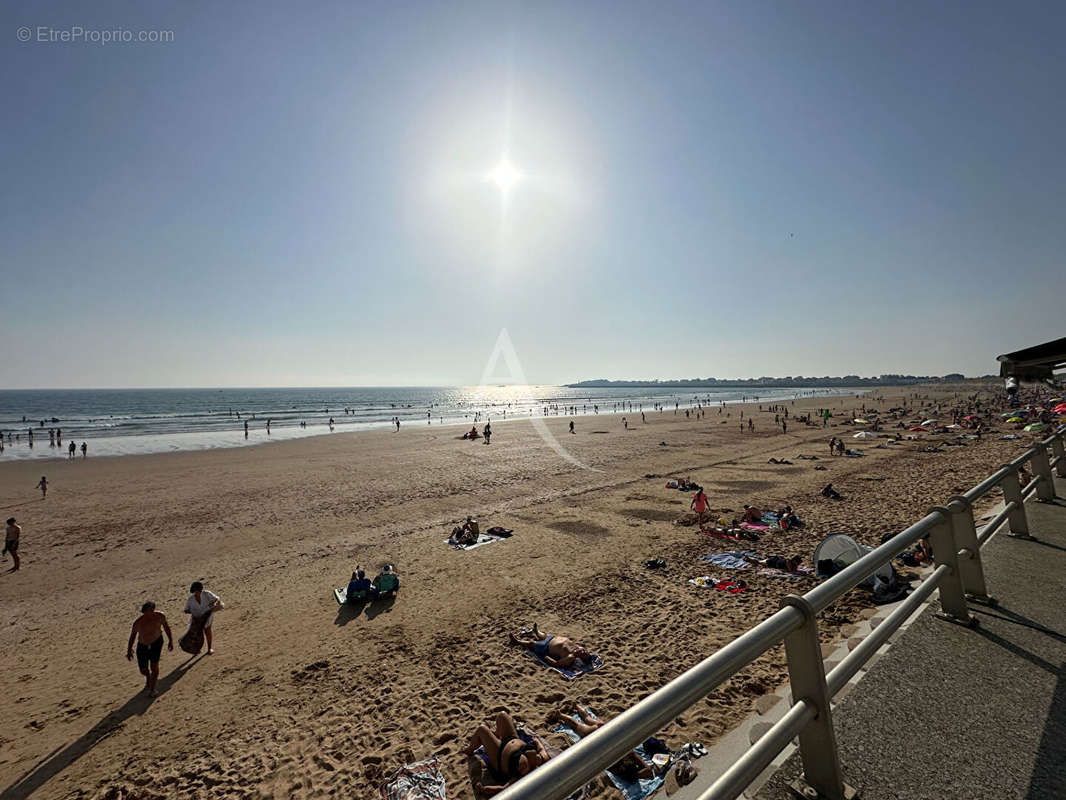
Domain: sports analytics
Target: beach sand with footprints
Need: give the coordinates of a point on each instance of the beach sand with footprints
(307, 699)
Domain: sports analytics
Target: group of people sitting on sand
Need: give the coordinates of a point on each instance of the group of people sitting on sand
(473, 434)
(385, 585)
(465, 534)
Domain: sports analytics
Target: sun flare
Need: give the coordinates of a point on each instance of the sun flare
(505, 175)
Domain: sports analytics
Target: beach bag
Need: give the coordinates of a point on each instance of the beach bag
(192, 641)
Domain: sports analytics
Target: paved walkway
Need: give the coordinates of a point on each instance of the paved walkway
(950, 712)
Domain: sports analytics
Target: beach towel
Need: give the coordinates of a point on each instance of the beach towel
(576, 671)
(192, 641)
(707, 582)
(420, 781)
(631, 790)
(482, 539)
(716, 534)
(731, 560)
(800, 574)
(770, 518)
(757, 527)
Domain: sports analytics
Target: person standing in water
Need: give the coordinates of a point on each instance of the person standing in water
(84, 450)
(71, 450)
(148, 630)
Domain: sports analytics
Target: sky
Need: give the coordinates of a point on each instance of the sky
(299, 194)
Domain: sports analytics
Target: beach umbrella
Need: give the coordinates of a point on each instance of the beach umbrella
(1009, 414)
(970, 416)
(865, 435)
(1035, 427)
(930, 422)
(862, 421)
(1060, 409)
(1015, 419)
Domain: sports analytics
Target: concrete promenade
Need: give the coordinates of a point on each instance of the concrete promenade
(953, 712)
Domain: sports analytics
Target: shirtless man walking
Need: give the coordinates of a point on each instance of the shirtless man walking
(148, 631)
(11, 542)
(558, 651)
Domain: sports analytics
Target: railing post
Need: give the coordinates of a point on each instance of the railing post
(971, 570)
(817, 741)
(946, 551)
(1059, 450)
(1012, 493)
(1045, 489)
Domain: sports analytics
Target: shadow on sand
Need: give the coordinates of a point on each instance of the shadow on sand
(59, 759)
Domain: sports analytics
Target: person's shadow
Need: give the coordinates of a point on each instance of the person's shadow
(345, 614)
(59, 759)
(383, 606)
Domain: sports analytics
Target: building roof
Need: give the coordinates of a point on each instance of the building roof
(1034, 363)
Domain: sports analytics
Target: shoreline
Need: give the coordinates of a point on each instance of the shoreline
(232, 439)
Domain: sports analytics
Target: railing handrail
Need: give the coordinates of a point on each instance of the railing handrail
(583, 761)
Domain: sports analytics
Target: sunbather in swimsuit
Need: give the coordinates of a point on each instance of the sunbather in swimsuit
(558, 651)
(508, 755)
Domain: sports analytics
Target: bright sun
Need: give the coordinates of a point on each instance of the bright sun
(505, 175)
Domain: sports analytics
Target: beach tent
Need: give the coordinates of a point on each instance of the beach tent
(1036, 427)
(843, 551)
(864, 435)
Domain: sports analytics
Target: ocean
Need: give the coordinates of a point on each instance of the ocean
(130, 421)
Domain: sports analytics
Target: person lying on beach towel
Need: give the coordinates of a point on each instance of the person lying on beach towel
(553, 650)
(630, 768)
(779, 461)
(507, 755)
(790, 564)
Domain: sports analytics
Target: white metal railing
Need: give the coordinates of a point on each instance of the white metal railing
(958, 576)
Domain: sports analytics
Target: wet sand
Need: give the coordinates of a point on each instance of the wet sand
(306, 699)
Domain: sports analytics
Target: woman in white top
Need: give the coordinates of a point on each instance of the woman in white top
(203, 604)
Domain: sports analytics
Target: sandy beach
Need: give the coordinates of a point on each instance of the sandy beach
(305, 699)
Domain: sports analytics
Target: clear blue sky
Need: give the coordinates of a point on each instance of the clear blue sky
(295, 194)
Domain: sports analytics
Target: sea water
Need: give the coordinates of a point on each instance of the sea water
(130, 421)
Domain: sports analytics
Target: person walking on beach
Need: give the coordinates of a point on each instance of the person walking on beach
(833, 446)
(84, 450)
(71, 450)
(487, 432)
(11, 542)
(699, 505)
(42, 484)
(571, 426)
(148, 630)
(201, 606)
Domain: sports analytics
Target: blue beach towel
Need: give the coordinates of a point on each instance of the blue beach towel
(731, 560)
(571, 673)
(638, 789)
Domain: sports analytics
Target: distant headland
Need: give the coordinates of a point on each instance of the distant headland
(787, 382)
